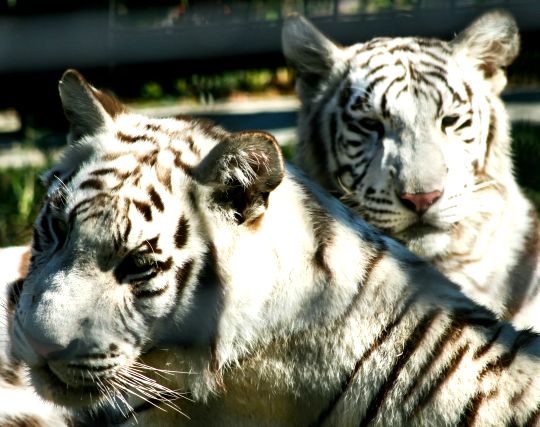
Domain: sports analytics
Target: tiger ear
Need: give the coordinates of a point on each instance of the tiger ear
(87, 109)
(493, 42)
(311, 54)
(243, 170)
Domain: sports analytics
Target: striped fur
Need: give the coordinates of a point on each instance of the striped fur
(412, 134)
(173, 257)
(19, 404)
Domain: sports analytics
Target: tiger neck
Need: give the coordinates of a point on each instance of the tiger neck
(290, 272)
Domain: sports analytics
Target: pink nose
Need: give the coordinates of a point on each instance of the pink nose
(420, 202)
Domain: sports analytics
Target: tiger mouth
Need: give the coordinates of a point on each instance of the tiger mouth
(72, 387)
(421, 229)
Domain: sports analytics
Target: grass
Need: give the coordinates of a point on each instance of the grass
(21, 189)
(22, 192)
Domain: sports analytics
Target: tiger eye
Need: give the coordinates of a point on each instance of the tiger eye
(372, 125)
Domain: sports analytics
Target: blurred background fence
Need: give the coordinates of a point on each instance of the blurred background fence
(124, 44)
(210, 58)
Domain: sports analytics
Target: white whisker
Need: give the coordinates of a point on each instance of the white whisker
(128, 389)
(150, 388)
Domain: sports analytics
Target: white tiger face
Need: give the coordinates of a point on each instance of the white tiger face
(122, 261)
(405, 128)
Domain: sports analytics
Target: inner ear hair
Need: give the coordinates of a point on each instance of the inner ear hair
(243, 170)
(492, 40)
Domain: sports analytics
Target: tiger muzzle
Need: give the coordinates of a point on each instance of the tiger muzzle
(420, 202)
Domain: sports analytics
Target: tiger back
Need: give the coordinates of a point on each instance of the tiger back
(184, 275)
(412, 134)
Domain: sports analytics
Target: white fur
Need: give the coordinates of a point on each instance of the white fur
(482, 229)
(303, 314)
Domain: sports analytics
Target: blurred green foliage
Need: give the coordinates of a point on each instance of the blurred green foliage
(21, 190)
(207, 88)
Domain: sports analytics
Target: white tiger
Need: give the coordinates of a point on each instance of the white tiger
(173, 257)
(19, 404)
(413, 135)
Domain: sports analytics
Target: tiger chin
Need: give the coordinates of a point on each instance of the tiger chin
(412, 134)
(184, 275)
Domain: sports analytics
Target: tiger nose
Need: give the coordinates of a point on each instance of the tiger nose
(420, 202)
(45, 349)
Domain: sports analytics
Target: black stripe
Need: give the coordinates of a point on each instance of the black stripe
(449, 337)
(182, 277)
(371, 72)
(354, 127)
(436, 384)
(373, 84)
(153, 127)
(149, 158)
(181, 233)
(91, 184)
(150, 293)
(465, 124)
(533, 418)
(377, 342)
(314, 142)
(165, 265)
(127, 230)
(410, 347)
(178, 162)
(483, 349)
(468, 416)
(492, 129)
(324, 235)
(191, 144)
(130, 139)
(104, 171)
(127, 324)
(434, 66)
(145, 209)
(97, 200)
(156, 199)
(505, 360)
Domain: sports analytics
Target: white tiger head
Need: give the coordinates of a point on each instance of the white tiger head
(122, 262)
(410, 130)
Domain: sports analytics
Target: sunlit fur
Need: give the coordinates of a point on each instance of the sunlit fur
(19, 404)
(183, 275)
(393, 117)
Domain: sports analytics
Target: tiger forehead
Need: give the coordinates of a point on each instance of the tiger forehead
(138, 169)
(135, 153)
(410, 71)
(414, 48)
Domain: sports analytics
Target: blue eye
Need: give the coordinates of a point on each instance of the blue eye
(136, 267)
